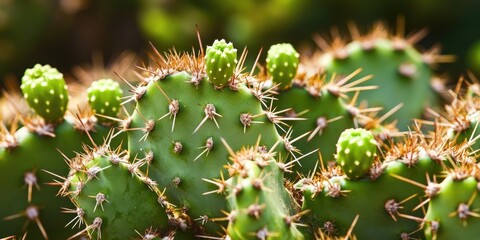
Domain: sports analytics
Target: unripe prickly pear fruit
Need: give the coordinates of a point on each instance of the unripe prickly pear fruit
(220, 62)
(282, 64)
(46, 92)
(104, 97)
(356, 151)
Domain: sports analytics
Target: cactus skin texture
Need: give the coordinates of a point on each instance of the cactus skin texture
(356, 151)
(104, 97)
(220, 62)
(453, 212)
(115, 199)
(46, 92)
(282, 63)
(379, 201)
(261, 207)
(179, 121)
(402, 74)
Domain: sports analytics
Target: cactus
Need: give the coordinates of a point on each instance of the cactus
(388, 210)
(260, 206)
(282, 64)
(113, 198)
(46, 92)
(170, 182)
(402, 74)
(35, 151)
(453, 210)
(104, 98)
(177, 125)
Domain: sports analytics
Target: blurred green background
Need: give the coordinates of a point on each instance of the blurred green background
(67, 33)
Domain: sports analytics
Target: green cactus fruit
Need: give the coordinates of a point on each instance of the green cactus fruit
(46, 92)
(282, 63)
(453, 212)
(402, 74)
(261, 207)
(113, 198)
(27, 157)
(356, 151)
(220, 62)
(177, 126)
(385, 202)
(104, 97)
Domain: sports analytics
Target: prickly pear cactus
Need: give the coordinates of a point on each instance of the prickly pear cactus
(26, 154)
(402, 74)
(260, 206)
(104, 97)
(384, 201)
(176, 129)
(46, 92)
(220, 62)
(282, 63)
(356, 152)
(113, 198)
(453, 210)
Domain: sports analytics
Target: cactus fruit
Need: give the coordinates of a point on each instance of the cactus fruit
(402, 74)
(113, 198)
(46, 92)
(177, 125)
(356, 152)
(220, 62)
(453, 210)
(282, 63)
(260, 206)
(104, 97)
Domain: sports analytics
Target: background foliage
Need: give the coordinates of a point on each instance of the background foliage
(67, 33)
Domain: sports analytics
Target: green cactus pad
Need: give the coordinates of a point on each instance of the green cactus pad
(46, 92)
(356, 151)
(400, 73)
(380, 201)
(178, 129)
(25, 183)
(116, 200)
(261, 207)
(104, 97)
(282, 63)
(453, 212)
(220, 62)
